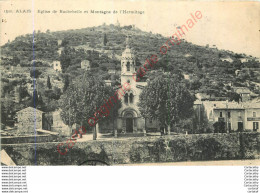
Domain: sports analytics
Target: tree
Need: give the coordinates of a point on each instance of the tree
(84, 100)
(66, 83)
(7, 110)
(3, 113)
(65, 58)
(49, 83)
(105, 39)
(233, 96)
(16, 60)
(195, 85)
(34, 73)
(219, 127)
(35, 99)
(167, 100)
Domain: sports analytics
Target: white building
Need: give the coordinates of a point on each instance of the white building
(85, 64)
(130, 119)
(56, 66)
(236, 116)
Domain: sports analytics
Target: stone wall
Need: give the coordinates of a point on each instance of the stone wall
(142, 150)
(28, 139)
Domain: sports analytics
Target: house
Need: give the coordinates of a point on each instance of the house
(237, 72)
(227, 59)
(243, 60)
(85, 64)
(234, 116)
(56, 66)
(28, 120)
(186, 76)
(108, 82)
(244, 92)
(59, 42)
(252, 113)
(230, 113)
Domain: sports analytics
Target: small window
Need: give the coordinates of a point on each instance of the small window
(254, 114)
(229, 114)
(126, 98)
(255, 126)
(220, 114)
(131, 97)
(128, 66)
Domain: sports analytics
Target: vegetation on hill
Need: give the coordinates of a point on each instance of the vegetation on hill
(206, 70)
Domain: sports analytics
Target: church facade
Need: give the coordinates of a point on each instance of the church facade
(129, 118)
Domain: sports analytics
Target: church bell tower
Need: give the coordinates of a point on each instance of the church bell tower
(127, 64)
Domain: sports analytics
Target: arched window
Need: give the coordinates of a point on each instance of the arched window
(126, 98)
(131, 97)
(128, 66)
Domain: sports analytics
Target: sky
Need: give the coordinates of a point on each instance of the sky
(228, 25)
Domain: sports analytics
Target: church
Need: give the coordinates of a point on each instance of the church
(129, 119)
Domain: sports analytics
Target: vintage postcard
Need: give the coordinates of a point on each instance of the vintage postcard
(130, 83)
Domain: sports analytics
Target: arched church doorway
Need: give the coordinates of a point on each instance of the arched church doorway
(129, 123)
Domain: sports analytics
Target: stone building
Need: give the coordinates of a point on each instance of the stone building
(235, 116)
(252, 114)
(244, 93)
(232, 114)
(28, 120)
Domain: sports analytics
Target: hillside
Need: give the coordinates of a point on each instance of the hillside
(207, 69)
